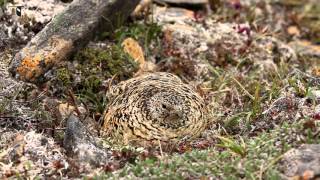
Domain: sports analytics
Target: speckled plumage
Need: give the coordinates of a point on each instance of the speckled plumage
(155, 106)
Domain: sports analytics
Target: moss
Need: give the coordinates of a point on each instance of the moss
(107, 63)
(64, 76)
(145, 34)
(292, 2)
(3, 105)
(3, 2)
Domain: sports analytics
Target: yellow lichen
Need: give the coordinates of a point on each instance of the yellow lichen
(29, 67)
(32, 67)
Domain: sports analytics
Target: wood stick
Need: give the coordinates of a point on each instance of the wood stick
(66, 33)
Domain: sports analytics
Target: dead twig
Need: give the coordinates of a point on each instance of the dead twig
(74, 102)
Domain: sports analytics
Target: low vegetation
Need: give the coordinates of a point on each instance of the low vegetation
(258, 110)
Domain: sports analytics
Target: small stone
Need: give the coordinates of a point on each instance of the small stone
(206, 5)
(301, 162)
(293, 30)
(134, 50)
(315, 94)
(173, 14)
(65, 109)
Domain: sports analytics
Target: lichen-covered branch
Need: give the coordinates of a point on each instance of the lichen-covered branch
(66, 33)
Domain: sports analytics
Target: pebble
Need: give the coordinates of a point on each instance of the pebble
(301, 162)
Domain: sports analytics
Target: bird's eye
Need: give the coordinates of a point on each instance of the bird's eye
(164, 106)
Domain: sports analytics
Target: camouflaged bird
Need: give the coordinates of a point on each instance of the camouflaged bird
(154, 106)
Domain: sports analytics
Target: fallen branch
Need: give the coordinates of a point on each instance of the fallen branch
(66, 33)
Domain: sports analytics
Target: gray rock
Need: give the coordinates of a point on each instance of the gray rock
(301, 162)
(171, 14)
(81, 145)
(1, 12)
